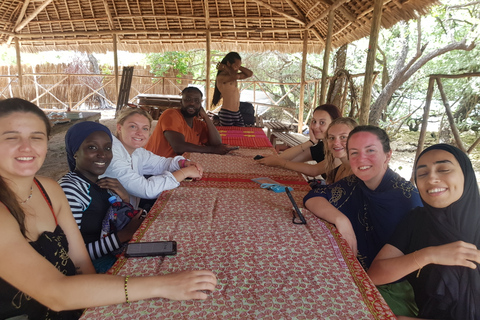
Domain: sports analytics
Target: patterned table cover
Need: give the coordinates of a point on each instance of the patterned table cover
(267, 267)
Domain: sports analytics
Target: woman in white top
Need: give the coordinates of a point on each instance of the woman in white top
(44, 265)
(132, 163)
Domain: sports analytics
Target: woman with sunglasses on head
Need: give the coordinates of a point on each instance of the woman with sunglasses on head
(89, 153)
(314, 149)
(436, 247)
(45, 267)
(142, 173)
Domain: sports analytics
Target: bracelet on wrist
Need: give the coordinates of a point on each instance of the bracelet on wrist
(418, 264)
(184, 175)
(313, 143)
(126, 289)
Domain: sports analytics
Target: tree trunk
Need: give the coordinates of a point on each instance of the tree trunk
(406, 72)
(102, 104)
(335, 92)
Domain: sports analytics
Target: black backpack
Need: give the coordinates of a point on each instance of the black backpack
(248, 113)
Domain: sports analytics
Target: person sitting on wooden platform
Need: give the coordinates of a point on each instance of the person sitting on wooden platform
(179, 131)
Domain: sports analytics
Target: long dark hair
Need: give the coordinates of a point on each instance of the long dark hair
(230, 57)
(7, 196)
(331, 109)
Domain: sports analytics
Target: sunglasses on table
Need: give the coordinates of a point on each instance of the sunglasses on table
(298, 217)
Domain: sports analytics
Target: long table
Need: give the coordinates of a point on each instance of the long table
(267, 267)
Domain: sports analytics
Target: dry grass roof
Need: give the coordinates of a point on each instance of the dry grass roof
(169, 25)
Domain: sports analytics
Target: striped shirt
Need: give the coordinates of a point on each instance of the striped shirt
(89, 204)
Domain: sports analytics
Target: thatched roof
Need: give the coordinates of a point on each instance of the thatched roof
(169, 25)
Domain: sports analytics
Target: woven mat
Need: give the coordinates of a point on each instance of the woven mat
(244, 136)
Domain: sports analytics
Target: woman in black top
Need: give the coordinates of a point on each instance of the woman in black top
(435, 247)
(294, 158)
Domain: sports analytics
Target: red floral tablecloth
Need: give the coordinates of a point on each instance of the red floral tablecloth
(267, 267)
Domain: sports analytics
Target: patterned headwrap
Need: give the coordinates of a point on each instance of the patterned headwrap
(77, 134)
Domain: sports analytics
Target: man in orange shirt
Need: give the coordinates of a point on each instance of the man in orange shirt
(179, 130)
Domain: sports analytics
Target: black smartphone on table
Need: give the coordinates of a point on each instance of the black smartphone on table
(151, 249)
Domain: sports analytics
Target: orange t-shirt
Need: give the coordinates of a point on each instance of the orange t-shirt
(173, 120)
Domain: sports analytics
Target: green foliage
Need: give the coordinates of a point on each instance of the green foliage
(162, 63)
(455, 21)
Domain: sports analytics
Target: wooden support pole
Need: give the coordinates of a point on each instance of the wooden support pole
(455, 132)
(70, 102)
(207, 69)
(115, 64)
(474, 145)
(208, 58)
(302, 81)
(426, 114)
(372, 50)
(19, 66)
(326, 57)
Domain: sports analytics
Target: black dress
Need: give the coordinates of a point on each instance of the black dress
(445, 292)
(54, 247)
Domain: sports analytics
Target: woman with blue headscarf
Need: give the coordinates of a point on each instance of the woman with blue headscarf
(436, 247)
(89, 152)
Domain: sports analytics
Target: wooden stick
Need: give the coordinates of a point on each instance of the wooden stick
(455, 132)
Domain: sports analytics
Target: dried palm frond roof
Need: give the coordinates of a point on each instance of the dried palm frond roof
(170, 25)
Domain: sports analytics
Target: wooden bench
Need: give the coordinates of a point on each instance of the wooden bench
(155, 104)
(275, 126)
(287, 138)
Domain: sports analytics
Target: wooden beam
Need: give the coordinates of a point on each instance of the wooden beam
(319, 37)
(372, 50)
(296, 9)
(115, 64)
(325, 13)
(326, 57)
(19, 18)
(450, 118)
(302, 81)
(32, 15)
(149, 31)
(456, 76)
(269, 7)
(109, 14)
(208, 59)
(426, 115)
(350, 17)
(19, 65)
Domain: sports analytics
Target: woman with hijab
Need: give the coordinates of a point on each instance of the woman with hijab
(89, 152)
(45, 270)
(436, 247)
(142, 173)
